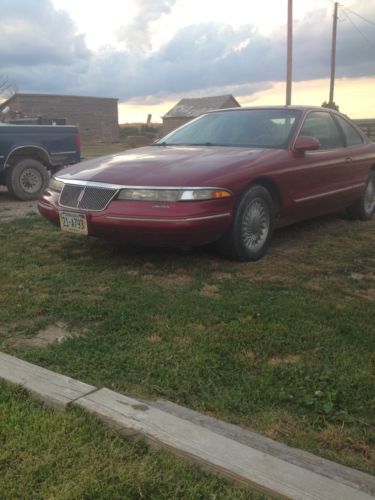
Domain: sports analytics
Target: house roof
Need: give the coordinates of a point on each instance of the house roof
(4, 103)
(191, 108)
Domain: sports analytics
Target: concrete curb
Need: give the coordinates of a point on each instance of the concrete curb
(235, 453)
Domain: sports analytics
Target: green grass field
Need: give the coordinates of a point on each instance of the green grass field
(70, 455)
(283, 346)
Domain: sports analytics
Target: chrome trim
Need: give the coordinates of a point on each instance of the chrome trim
(28, 146)
(64, 153)
(361, 184)
(321, 195)
(81, 196)
(188, 219)
(123, 186)
(47, 207)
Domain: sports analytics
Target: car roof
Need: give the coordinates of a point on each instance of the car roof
(294, 107)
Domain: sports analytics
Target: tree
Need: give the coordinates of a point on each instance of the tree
(7, 88)
(331, 105)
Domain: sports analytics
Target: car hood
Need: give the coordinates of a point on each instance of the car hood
(167, 166)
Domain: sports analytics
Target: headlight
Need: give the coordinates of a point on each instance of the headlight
(170, 195)
(149, 194)
(55, 185)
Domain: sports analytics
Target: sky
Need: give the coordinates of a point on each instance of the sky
(151, 53)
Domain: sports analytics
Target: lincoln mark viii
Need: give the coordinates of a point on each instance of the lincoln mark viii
(229, 176)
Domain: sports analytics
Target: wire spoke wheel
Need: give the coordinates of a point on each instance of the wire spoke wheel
(251, 230)
(369, 198)
(255, 225)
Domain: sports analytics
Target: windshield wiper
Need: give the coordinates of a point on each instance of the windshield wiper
(203, 144)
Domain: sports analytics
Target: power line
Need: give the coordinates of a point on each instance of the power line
(359, 31)
(359, 15)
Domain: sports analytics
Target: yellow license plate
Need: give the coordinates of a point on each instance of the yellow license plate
(73, 223)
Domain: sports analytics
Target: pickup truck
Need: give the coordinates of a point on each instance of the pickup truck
(30, 154)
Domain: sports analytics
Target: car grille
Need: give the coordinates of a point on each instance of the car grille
(86, 197)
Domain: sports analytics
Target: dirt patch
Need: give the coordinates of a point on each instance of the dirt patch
(170, 280)
(282, 427)
(211, 291)
(11, 209)
(132, 273)
(337, 438)
(181, 340)
(50, 335)
(154, 339)
(289, 359)
(249, 359)
(220, 276)
(366, 294)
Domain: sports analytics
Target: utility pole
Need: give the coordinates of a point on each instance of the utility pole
(333, 55)
(289, 54)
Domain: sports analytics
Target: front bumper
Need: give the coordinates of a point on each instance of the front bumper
(148, 223)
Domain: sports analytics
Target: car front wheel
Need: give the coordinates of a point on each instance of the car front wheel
(251, 231)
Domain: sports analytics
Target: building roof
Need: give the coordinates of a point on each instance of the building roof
(191, 108)
(4, 103)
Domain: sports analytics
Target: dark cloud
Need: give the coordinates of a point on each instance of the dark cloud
(41, 50)
(34, 33)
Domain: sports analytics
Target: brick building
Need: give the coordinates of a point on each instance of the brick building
(97, 117)
(188, 109)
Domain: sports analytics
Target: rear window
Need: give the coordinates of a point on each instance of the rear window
(352, 137)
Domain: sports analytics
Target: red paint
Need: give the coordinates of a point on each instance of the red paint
(309, 182)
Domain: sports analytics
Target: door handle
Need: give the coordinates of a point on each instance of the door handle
(348, 159)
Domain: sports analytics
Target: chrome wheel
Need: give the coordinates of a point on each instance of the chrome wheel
(31, 180)
(369, 198)
(255, 225)
(249, 235)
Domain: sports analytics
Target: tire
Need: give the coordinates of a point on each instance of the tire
(252, 227)
(364, 209)
(27, 179)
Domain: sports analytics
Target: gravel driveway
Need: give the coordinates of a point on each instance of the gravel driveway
(10, 208)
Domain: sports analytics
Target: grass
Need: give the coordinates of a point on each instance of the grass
(71, 455)
(93, 150)
(284, 346)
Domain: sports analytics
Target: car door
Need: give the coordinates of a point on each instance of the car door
(322, 179)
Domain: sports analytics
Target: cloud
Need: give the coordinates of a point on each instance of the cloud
(41, 50)
(34, 33)
(136, 35)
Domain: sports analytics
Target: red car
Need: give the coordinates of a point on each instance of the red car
(229, 176)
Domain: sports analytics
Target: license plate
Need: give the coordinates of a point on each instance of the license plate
(73, 223)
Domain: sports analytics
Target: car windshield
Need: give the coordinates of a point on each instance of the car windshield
(259, 128)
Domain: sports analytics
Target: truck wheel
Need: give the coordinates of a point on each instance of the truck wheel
(26, 179)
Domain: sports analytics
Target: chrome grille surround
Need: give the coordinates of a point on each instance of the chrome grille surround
(86, 197)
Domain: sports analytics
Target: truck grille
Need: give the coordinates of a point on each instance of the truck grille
(86, 197)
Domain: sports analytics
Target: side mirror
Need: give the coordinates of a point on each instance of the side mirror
(306, 143)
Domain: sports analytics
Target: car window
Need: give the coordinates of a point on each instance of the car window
(352, 137)
(322, 126)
